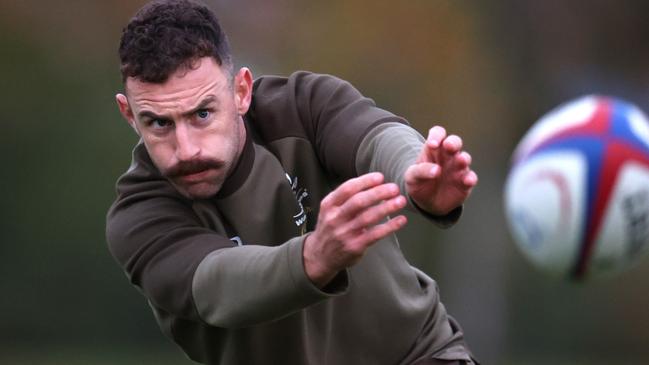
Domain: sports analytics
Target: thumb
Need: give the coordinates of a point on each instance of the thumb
(422, 171)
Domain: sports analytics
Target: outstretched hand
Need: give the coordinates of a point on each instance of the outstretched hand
(441, 178)
(351, 219)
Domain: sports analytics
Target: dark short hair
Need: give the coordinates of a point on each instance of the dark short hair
(165, 36)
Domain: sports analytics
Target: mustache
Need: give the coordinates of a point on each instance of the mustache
(192, 167)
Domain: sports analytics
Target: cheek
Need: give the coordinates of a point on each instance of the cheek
(215, 145)
(161, 153)
(221, 139)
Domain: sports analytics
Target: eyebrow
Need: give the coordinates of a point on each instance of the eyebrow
(202, 105)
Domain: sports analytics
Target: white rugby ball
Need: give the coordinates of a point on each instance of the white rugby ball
(577, 194)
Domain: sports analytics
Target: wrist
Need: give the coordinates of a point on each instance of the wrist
(441, 220)
(315, 270)
(423, 208)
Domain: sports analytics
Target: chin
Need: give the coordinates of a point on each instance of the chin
(199, 191)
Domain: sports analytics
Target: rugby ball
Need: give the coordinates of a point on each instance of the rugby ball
(577, 194)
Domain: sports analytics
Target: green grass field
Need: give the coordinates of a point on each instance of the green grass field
(91, 356)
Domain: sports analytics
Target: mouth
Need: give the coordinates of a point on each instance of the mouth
(195, 177)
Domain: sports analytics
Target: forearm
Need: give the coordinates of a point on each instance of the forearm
(252, 284)
(391, 148)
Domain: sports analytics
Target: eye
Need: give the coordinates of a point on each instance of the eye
(159, 123)
(203, 114)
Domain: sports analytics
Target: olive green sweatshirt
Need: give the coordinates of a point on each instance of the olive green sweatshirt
(225, 277)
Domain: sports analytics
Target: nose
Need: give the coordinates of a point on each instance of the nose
(186, 146)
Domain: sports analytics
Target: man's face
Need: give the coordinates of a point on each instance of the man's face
(191, 124)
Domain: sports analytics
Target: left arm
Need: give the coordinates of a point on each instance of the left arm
(435, 173)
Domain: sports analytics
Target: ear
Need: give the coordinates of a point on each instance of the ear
(126, 111)
(243, 90)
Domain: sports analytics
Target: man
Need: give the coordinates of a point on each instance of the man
(258, 218)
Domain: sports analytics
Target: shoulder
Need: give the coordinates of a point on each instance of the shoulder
(299, 104)
(269, 86)
(290, 106)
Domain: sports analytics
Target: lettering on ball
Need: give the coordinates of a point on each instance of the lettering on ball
(636, 213)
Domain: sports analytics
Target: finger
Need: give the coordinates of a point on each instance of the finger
(351, 187)
(435, 137)
(422, 172)
(462, 160)
(452, 144)
(470, 179)
(375, 214)
(379, 231)
(366, 199)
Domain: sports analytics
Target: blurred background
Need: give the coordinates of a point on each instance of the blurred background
(485, 70)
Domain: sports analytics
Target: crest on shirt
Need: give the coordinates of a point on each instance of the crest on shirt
(300, 194)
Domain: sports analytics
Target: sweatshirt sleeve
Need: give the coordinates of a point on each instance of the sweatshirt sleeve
(329, 112)
(193, 272)
(391, 148)
(253, 284)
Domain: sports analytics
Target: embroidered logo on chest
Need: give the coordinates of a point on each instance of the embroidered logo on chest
(300, 195)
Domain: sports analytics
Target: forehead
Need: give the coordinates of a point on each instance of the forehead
(183, 86)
